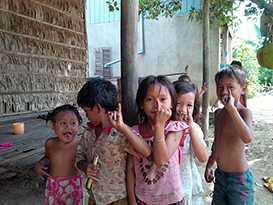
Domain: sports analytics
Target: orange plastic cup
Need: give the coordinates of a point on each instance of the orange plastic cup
(18, 128)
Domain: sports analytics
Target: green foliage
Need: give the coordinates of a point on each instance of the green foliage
(259, 78)
(152, 9)
(221, 12)
(266, 77)
(251, 9)
(248, 58)
(112, 5)
(155, 8)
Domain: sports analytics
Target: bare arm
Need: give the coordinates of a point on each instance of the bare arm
(136, 142)
(42, 166)
(131, 180)
(164, 147)
(242, 123)
(208, 171)
(198, 144)
(212, 157)
(209, 175)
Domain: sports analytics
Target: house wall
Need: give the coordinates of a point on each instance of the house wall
(170, 45)
(42, 53)
(173, 43)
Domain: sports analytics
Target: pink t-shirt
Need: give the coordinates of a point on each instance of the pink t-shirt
(154, 185)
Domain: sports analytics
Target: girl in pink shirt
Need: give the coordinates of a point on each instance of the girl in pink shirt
(155, 180)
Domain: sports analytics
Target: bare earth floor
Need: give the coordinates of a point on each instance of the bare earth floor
(25, 189)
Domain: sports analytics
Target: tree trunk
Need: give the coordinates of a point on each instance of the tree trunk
(205, 101)
(129, 79)
(224, 46)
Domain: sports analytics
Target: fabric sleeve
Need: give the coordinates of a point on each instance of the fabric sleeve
(82, 148)
(175, 126)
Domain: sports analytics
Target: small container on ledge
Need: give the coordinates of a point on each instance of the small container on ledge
(18, 128)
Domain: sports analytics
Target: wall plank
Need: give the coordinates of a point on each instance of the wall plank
(42, 53)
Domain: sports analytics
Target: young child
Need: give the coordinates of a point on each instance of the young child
(64, 183)
(234, 182)
(156, 179)
(186, 78)
(193, 145)
(236, 64)
(107, 137)
(199, 96)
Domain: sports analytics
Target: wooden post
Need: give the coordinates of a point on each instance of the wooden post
(129, 78)
(205, 101)
(224, 45)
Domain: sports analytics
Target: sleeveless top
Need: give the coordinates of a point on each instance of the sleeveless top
(190, 176)
(159, 185)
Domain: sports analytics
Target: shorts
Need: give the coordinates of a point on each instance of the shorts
(64, 190)
(233, 188)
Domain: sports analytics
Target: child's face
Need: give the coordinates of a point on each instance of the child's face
(157, 95)
(185, 105)
(65, 126)
(226, 85)
(236, 67)
(93, 115)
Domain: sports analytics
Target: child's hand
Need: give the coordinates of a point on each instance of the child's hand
(204, 88)
(41, 170)
(228, 100)
(209, 176)
(115, 118)
(187, 118)
(91, 172)
(163, 114)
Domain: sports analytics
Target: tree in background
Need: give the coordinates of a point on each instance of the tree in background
(221, 13)
(247, 56)
(260, 78)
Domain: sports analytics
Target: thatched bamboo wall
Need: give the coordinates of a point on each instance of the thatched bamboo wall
(42, 53)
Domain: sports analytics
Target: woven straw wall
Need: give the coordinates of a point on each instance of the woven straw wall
(42, 53)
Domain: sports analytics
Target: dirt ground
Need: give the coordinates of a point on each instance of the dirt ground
(26, 189)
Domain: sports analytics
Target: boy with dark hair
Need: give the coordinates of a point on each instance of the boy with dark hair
(234, 182)
(236, 64)
(107, 136)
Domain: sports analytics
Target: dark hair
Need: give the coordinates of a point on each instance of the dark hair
(184, 77)
(98, 91)
(142, 92)
(184, 87)
(229, 72)
(63, 108)
(236, 62)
